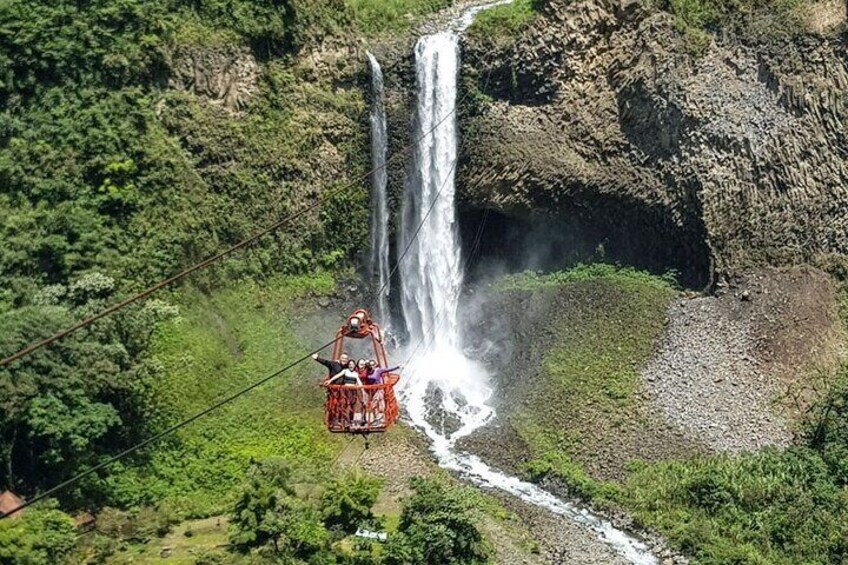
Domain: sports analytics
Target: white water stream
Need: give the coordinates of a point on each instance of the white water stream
(431, 282)
(379, 199)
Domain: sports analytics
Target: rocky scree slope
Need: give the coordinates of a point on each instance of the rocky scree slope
(602, 118)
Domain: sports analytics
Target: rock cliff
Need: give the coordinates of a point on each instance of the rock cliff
(599, 120)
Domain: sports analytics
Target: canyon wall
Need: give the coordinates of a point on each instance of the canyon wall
(601, 119)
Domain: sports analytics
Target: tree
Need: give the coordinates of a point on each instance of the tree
(65, 406)
(268, 513)
(437, 526)
(347, 501)
(41, 536)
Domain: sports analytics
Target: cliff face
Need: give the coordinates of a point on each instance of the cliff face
(605, 122)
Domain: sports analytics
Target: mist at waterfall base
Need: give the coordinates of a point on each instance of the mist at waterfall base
(446, 393)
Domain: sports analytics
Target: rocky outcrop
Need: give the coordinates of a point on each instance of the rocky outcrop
(228, 75)
(604, 120)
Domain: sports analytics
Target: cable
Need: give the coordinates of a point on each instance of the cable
(162, 434)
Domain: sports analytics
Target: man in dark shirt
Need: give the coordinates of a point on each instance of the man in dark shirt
(334, 367)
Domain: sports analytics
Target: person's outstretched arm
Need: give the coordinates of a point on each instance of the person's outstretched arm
(335, 377)
(324, 362)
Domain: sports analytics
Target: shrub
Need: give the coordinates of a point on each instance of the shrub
(268, 513)
(347, 501)
(532, 281)
(438, 525)
(768, 507)
(374, 17)
(41, 536)
(503, 24)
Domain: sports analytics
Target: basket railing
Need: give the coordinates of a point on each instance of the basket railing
(366, 408)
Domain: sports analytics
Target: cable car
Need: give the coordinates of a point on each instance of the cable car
(368, 408)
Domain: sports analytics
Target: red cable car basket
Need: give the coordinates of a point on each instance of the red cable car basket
(368, 408)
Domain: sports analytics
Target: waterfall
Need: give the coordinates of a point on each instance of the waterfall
(443, 388)
(379, 262)
(431, 274)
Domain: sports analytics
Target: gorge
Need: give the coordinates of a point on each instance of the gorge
(607, 240)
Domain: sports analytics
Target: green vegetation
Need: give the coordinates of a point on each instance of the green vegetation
(375, 17)
(272, 523)
(759, 16)
(238, 335)
(626, 277)
(774, 506)
(604, 323)
(438, 525)
(113, 180)
(268, 512)
(40, 536)
(64, 405)
(698, 19)
(503, 24)
(347, 501)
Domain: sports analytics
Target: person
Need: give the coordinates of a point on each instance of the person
(377, 407)
(376, 377)
(363, 369)
(333, 367)
(349, 377)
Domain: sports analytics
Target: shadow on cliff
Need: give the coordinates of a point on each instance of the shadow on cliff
(608, 230)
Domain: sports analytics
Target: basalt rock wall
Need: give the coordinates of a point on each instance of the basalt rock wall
(604, 121)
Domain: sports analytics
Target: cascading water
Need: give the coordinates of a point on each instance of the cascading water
(442, 384)
(379, 199)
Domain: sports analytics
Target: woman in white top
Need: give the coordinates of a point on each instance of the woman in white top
(349, 375)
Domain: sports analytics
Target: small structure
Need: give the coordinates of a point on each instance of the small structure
(368, 534)
(8, 502)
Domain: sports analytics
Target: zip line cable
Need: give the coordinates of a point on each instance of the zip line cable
(218, 404)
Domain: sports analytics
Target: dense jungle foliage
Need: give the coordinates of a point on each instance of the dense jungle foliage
(112, 179)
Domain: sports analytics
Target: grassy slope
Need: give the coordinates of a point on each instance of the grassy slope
(604, 325)
(220, 344)
(377, 17)
(503, 24)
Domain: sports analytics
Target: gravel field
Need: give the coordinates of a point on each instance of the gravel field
(707, 381)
